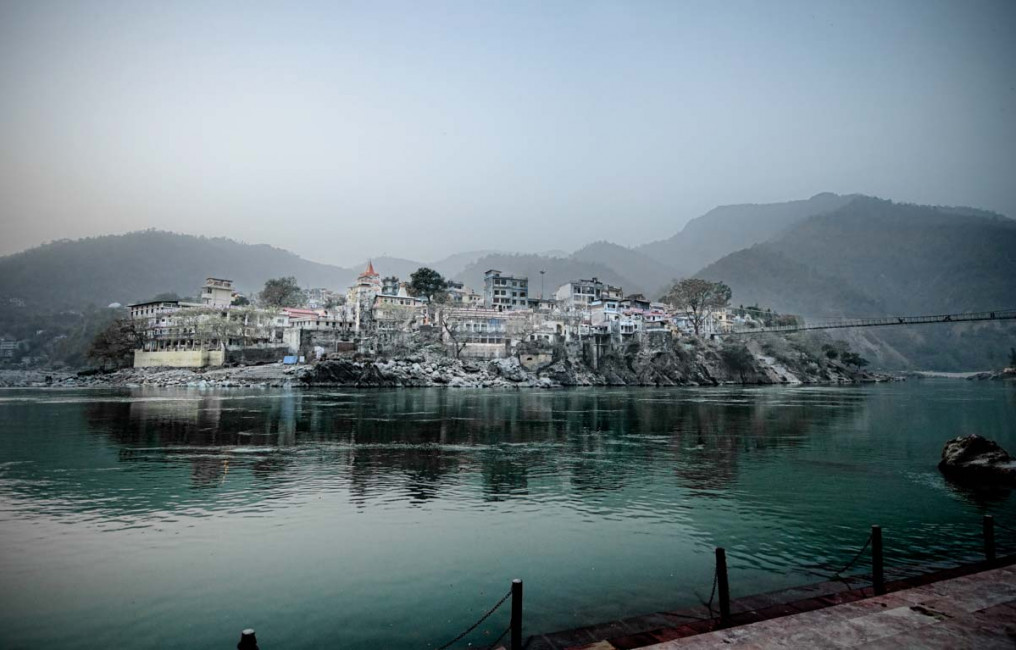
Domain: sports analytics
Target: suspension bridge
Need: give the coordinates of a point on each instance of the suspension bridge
(884, 321)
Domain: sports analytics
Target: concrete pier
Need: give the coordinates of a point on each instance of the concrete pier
(977, 611)
(968, 607)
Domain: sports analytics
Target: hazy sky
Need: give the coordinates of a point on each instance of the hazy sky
(418, 129)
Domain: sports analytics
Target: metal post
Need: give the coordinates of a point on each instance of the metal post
(247, 640)
(877, 565)
(722, 586)
(989, 538)
(516, 623)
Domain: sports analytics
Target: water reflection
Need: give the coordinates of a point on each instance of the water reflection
(424, 443)
(609, 501)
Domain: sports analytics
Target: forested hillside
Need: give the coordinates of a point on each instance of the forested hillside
(873, 257)
(729, 228)
(128, 268)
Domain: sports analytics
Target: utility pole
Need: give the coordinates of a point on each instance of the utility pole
(541, 284)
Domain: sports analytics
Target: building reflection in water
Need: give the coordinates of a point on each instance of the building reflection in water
(421, 442)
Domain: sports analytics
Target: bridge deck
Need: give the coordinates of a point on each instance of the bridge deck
(885, 321)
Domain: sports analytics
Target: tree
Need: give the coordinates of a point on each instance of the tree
(853, 359)
(426, 283)
(115, 345)
(700, 297)
(240, 301)
(738, 358)
(334, 301)
(282, 292)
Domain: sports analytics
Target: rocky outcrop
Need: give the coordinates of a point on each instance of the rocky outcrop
(670, 363)
(974, 459)
(686, 364)
(1004, 374)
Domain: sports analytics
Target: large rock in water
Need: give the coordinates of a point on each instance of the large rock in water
(975, 459)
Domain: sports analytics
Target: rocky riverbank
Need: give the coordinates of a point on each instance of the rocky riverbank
(1004, 374)
(273, 375)
(705, 366)
(698, 363)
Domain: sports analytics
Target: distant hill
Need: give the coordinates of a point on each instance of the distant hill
(763, 275)
(729, 228)
(456, 263)
(829, 255)
(913, 258)
(878, 257)
(875, 257)
(137, 266)
(558, 270)
(647, 275)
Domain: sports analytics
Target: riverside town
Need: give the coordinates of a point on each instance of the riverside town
(425, 330)
(508, 325)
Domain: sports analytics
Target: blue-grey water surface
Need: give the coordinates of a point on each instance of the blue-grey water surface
(393, 519)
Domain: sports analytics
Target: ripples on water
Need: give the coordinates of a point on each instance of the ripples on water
(390, 518)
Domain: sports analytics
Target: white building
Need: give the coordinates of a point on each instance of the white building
(217, 293)
(579, 294)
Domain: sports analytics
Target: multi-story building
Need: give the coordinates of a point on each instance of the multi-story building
(460, 295)
(148, 312)
(475, 332)
(611, 292)
(217, 293)
(398, 313)
(636, 301)
(505, 292)
(604, 311)
(579, 294)
(184, 334)
(390, 285)
(360, 297)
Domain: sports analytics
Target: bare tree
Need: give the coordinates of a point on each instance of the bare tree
(394, 322)
(116, 344)
(521, 329)
(459, 341)
(700, 297)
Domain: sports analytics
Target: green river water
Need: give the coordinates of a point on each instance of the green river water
(394, 518)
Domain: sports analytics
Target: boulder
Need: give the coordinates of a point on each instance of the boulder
(975, 459)
(509, 369)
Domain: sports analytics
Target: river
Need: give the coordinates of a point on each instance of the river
(394, 518)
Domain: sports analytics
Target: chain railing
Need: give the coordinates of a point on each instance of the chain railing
(874, 542)
(720, 588)
(514, 626)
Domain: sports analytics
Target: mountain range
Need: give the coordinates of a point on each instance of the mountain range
(829, 255)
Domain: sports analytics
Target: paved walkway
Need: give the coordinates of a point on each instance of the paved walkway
(976, 611)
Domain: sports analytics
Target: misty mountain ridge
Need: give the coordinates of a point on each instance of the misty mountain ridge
(827, 256)
(873, 257)
(884, 257)
(729, 228)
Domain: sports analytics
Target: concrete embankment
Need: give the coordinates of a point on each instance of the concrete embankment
(966, 607)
